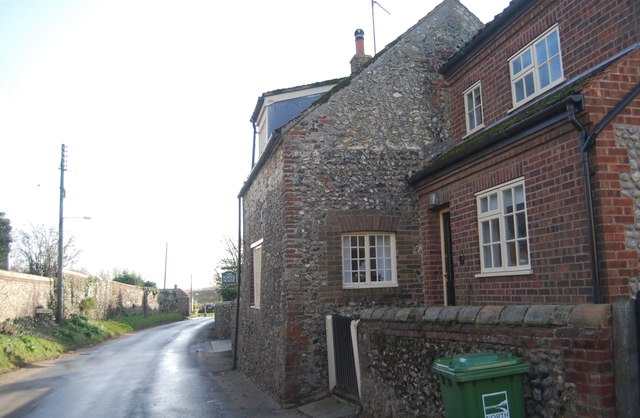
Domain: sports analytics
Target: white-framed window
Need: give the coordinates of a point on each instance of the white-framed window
(369, 260)
(536, 68)
(503, 230)
(473, 108)
(256, 248)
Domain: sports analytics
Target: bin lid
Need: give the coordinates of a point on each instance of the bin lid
(478, 361)
(480, 365)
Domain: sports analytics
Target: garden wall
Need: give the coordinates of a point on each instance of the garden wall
(21, 294)
(570, 348)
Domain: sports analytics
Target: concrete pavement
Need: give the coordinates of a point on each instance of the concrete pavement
(219, 362)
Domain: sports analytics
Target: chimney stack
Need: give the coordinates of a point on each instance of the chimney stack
(359, 59)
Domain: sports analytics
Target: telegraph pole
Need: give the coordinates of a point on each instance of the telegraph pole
(166, 251)
(63, 167)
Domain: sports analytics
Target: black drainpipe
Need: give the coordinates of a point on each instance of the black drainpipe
(586, 143)
(238, 279)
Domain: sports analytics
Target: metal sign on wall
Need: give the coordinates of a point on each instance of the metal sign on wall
(228, 277)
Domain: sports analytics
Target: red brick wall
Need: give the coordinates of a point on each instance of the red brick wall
(550, 165)
(570, 349)
(590, 32)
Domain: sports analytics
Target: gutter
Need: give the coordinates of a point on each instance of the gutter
(587, 142)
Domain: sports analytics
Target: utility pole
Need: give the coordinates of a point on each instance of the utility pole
(166, 251)
(63, 167)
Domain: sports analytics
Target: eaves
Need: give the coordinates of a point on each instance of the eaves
(543, 112)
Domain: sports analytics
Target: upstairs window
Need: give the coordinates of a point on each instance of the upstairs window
(502, 226)
(536, 68)
(369, 260)
(473, 108)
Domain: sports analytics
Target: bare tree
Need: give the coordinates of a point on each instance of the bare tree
(35, 251)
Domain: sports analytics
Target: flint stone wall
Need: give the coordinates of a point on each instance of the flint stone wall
(21, 294)
(628, 136)
(568, 346)
(341, 167)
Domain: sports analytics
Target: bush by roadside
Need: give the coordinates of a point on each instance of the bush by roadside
(24, 340)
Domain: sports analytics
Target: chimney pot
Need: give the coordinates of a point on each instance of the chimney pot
(359, 34)
(359, 59)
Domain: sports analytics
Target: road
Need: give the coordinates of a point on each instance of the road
(172, 370)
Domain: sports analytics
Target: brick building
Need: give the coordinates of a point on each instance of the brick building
(537, 201)
(330, 225)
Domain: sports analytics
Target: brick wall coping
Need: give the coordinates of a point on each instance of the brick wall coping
(13, 275)
(580, 316)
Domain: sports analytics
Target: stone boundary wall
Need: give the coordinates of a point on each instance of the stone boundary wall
(225, 314)
(22, 293)
(570, 348)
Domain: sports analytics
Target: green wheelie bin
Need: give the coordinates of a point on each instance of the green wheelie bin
(482, 385)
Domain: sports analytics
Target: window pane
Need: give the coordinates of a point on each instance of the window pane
(361, 253)
(507, 201)
(486, 254)
(544, 75)
(361, 241)
(347, 277)
(526, 58)
(354, 253)
(477, 97)
(541, 51)
(519, 89)
(483, 205)
(509, 232)
(479, 116)
(523, 253)
(495, 230)
(486, 235)
(472, 120)
(553, 44)
(518, 191)
(529, 85)
(469, 101)
(497, 257)
(516, 66)
(493, 201)
(556, 68)
(511, 254)
(522, 225)
(354, 241)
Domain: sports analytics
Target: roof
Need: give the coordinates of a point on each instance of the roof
(261, 99)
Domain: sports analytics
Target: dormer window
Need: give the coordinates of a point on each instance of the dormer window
(473, 108)
(536, 68)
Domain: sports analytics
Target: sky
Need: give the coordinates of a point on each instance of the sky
(153, 99)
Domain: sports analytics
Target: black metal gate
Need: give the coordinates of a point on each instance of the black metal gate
(346, 378)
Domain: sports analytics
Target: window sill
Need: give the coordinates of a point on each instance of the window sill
(254, 307)
(523, 272)
(369, 286)
(474, 131)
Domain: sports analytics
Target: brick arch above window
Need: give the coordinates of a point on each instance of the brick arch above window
(354, 222)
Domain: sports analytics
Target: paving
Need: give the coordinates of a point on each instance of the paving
(219, 363)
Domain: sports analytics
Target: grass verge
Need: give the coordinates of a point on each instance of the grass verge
(24, 341)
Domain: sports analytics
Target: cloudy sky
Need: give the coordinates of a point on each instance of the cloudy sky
(152, 99)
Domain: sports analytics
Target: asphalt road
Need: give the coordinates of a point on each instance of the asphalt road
(172, 370)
